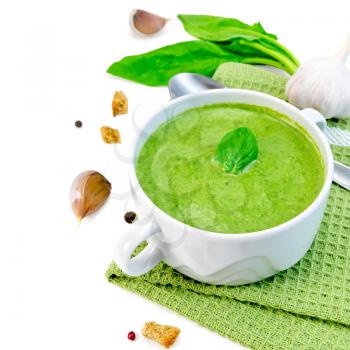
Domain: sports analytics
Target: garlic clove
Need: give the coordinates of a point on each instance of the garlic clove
(323, 84)
(143, 22)
(88, 193)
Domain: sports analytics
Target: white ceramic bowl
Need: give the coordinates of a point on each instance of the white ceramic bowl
(230, 259)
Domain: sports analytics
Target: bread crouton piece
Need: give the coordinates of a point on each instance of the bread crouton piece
(119, 103)
(110, 135)
(164, 335)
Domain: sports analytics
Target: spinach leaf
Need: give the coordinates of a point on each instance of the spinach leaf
(237, 150)
(215, 28)
(221, 40)
(155, 68)
(260, 49)
(241, 38)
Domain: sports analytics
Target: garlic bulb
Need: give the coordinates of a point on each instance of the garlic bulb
(88, 193)
(323, 84)
(143, 22)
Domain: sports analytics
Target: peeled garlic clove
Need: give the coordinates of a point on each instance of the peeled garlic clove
(146, 23)
(323, 84)
(88, 193)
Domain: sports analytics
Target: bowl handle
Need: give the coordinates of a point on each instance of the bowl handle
(129, 239)
(316, 117)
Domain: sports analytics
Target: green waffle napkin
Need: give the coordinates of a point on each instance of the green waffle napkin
(244, 76)
(304, 307)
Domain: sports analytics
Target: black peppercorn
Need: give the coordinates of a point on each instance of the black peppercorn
(129, 217)
(78, 124)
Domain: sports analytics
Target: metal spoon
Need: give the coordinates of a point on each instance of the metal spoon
(186, 83)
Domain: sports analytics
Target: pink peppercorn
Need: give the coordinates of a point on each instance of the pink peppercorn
(131, 336)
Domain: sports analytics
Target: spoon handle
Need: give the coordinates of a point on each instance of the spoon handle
(341, 175)
(182, 84)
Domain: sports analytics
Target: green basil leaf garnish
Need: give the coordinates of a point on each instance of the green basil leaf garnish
(237, 150)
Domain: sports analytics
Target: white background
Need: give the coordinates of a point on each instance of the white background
(53, 58)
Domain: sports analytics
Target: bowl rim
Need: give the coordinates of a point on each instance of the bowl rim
(321, 197)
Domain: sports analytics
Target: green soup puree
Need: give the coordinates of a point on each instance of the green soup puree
(177, 170)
